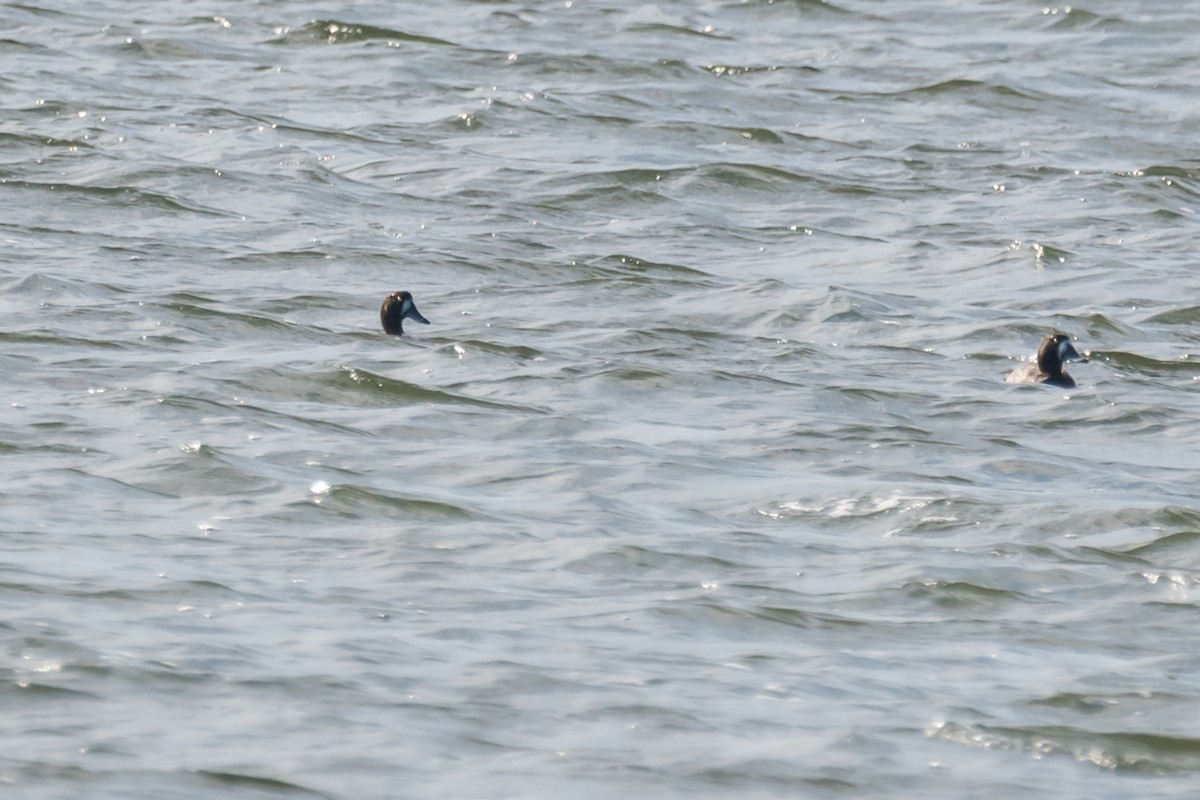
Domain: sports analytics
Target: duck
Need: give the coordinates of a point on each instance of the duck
(396, 307)
(1054, 351)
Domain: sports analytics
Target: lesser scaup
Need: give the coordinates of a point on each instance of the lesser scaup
(397, 306)
(1055, 350)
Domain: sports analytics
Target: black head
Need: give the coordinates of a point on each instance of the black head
(1055, 351)
(396, 306)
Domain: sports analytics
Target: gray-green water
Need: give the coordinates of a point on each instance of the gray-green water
(704, 481)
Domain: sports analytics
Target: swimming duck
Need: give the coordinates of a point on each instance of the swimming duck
(1056, 349)
(396, 306)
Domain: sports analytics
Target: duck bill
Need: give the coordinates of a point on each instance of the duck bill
(414, 314)
(1069, 353)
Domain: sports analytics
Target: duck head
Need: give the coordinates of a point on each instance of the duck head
(396, 307)
(1055, 351)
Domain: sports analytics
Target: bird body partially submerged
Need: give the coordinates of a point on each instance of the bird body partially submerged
(1056, 349)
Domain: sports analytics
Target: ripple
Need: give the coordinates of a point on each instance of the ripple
(233, 781)
(337, 32)
(1127, 752)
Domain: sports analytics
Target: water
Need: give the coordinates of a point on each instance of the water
(704, 481)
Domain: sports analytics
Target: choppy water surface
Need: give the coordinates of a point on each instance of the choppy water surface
(704, 481)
